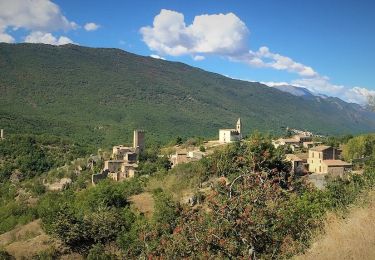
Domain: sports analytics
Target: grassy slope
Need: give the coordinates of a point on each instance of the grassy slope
(352, 237)
(99, 95)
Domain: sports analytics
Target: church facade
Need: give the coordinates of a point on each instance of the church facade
(231, 135)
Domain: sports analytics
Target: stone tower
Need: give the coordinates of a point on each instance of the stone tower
(139, 140)
(1, 134)
(239, 127)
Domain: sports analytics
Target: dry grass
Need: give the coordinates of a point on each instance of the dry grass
(24, 232)
(174, 185)
(143, 203)
(352, 237)
(29, 240)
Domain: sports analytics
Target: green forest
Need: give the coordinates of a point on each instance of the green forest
(98, 96)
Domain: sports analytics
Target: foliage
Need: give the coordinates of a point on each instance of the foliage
(32, 155)
(95, 215)
(359, 147)
(5, 255)
(97, 252)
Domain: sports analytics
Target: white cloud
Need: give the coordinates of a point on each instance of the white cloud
(227, 36)
(91, 26)
(47, 38)
(4, 37)
(358, 95)
(42, 15)
(274, 84)
(264, 58)
(321, 85)
(198, 57)
(157, 57)
(222, 34)
(35, 16)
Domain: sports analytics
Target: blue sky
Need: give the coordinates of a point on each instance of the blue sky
(326, 46)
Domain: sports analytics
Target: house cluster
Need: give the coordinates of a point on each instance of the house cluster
(303, 139)
(184, 156)
(320, 159)
(231, 135)
(124, 160)
(225, 136)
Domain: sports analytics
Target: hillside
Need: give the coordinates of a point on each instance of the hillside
(98, 96)
(350, 237)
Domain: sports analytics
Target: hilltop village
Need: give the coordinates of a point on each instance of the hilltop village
(307, 157)
(116, 194)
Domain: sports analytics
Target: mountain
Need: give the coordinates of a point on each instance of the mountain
(98, 96)
(295, 91)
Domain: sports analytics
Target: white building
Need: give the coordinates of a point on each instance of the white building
(231, 135)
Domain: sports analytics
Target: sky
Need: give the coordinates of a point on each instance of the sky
(325, 46)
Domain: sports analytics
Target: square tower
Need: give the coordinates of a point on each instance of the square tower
(139, 140)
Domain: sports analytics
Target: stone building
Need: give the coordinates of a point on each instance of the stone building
(231, 135)
(124, 160)
(139, 140)
(325, 159)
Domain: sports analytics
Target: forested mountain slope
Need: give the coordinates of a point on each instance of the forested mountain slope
(99, 96)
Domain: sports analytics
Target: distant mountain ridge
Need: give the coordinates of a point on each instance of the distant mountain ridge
(296, 91)
(307, 94)
(99, 96)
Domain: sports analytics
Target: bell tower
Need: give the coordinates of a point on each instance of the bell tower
(239, 127)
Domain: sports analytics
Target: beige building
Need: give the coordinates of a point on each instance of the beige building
(298, 161)
(311, 144)
(124, 162)
(325, 159)
(119, 151)
(285, 141)
(293, 142)
(179, 157)
(231, 135)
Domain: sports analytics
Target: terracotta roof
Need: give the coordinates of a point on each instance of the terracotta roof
(320, 148)
(287, 140)
(336, 163)
(292, 157)
(312, 142)
(303, 156)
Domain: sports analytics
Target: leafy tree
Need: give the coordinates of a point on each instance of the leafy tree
(359, 147)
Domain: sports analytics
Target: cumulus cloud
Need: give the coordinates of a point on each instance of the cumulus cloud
(265, 58)
(91, 27)
(319, 84)
(274, 84)
(34, 16)
(47, 38)
(227, 36)
(157, 57)
(222, 34)
(42, 15)
(5, 37)
(198, 57)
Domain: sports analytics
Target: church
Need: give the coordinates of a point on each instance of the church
(231, 135)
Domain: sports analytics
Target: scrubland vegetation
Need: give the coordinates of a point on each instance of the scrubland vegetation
(246, 203)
